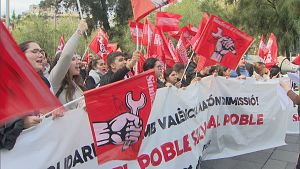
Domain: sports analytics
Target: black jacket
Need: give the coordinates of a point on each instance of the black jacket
(90, 83)
(9, 133)
(111, 77)
(190, 72)
(160, 84)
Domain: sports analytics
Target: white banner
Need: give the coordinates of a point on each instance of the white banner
(216, 118)
(293, 123)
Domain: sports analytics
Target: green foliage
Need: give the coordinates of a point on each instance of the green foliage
(121, 35)
(42, 30)
(190, 11)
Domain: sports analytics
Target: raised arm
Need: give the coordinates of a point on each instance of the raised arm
(61, 68)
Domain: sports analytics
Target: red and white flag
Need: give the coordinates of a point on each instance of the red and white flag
(167, 21)
(61, 44)
(271, 58)
(118, 115)
(223, 43)
(296, 61)
(142, 8)
(188, 32)
(22, 91)
(194, 41)
(181, 50)
(148, 30)
(262, 49)
(99, 44)
(136, 31)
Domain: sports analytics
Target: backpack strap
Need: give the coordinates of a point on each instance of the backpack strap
(60, 89)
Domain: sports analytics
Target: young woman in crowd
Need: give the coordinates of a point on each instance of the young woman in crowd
(97, 69)
(171, 78)
(153, 63)
(65, 73)
(223, 71)
(260, 71)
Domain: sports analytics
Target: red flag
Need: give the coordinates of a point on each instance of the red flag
(139, 69)
(99, 44)
(61, 44)
(223, 43)
(136, 32)
(202, 24)
(202, 63)
(22, 91)
(119, 111)
(148, 30)
(167, 21)
(142, 8)
(296, 61)
(86, 56)
(168, 50)
(271, 58)
(155, 48)
(262, 49)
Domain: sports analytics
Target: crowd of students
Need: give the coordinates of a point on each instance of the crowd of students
(68, 76)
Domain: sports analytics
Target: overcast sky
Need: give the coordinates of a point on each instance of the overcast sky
(19, 5)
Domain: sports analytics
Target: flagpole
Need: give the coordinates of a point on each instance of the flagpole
(148, 31)
(80, 12)
(137, 36)
(81, 17)
(137, 45)
(55, 27)
(0, 12)
(63, 106)
(7, 14)
(84, 52)
(190, 59)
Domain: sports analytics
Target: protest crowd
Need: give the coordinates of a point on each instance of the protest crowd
(69, 75)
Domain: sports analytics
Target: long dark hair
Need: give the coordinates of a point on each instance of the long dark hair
(93, 64)
(24, 45)
(149, 63)
(67, 82)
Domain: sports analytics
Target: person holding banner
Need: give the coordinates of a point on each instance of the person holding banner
(171, 78)
(260, 71)
(223, 71)
(154, 63)
(244, 69)
(296, 99)
(179, 69)
(65, 73)
(118, 67)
